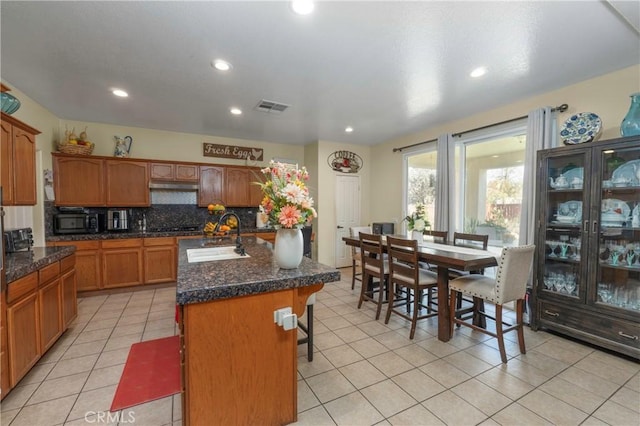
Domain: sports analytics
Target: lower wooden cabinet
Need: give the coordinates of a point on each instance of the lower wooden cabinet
(159, 260)
(69, 297)
(23, 322)
(122, 263)
(4, 348)
(87, 263)
(50, 311)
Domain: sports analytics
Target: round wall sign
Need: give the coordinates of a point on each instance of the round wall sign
(345, 161)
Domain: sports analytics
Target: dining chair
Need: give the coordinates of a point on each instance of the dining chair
(356, 258)
(436, 236)
(406, 277)
(479, 242)
(509, 285)
(374, 266)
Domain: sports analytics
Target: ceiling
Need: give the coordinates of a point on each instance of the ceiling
(387, 69)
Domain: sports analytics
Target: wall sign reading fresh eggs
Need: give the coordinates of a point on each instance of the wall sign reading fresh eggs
(345, 161)
(231, 151)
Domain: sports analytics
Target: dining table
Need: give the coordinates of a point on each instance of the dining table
(444, 257)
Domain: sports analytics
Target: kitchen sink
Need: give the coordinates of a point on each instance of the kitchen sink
(212, 254)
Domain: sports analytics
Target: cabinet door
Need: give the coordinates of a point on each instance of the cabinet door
(211, 185)
(162, 171)
(255, 192)
(616, 227)
(187, 172)
(127, 183)
(24, 336)
(69, 298)
(78, 181)
(122, 263)
(4, 347)
(88, 264)
(6, 163)
(564, 200)
(160, 264)
(24, 151)
(50, 310)
(237, 187)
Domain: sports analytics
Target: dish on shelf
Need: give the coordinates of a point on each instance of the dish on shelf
(569, 212)
(581, 128)
(626, 174)
(613, 206)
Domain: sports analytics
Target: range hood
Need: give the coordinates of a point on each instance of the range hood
(174, 186)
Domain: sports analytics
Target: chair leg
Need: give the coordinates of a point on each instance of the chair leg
(414, 319)
(353, 275)
(499, 333)
(452, 310)
(389, 303)
(310, 333)
(363, 288)
(458, 303)
(520, 323)
(383, 288)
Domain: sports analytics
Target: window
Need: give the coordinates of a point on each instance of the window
(420, 181)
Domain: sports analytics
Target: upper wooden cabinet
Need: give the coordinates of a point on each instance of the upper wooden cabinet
(78, 181)
(239, 188)
(18, 162)
(211, 185)
(127, 183)
(177, 172)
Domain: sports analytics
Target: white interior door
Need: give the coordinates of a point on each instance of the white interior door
(347, 215)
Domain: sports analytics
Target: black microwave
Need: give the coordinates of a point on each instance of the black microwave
(78, 223)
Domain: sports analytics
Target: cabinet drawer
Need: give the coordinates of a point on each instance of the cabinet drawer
(161, 241)
(67, 263)
(127, 242)
(590, 323)
(48, 273)
(80, 245)
(22, 287)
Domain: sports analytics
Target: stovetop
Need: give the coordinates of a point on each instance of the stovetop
(173, 228)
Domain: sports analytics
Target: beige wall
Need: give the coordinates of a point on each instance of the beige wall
(607, 96)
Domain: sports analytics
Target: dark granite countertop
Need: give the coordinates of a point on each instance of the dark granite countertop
(138, 234)
(22, 263)
(258, 273)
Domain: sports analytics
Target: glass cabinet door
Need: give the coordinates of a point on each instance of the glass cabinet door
(618, 230)
(565, 204)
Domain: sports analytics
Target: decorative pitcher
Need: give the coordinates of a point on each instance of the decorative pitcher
(631, 123)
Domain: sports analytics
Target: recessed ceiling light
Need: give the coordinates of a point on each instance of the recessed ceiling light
(235, 111)
(478, 72)
(495, 156)
(349, 129)
(302, 7)
(120, 93)
(221, 65)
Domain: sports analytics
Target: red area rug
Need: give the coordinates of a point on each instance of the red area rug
(152, 372)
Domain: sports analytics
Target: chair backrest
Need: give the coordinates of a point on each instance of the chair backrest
(436, 236)
(403, 261)
(477, 241)
(372, 254)
(355, 233)
(513, 272)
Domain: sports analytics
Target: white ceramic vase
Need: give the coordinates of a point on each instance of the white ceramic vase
(288, 248)
(418, 236)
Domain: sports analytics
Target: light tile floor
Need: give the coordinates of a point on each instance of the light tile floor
(364, 372)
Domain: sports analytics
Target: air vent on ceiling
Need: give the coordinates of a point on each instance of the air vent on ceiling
(271, 106)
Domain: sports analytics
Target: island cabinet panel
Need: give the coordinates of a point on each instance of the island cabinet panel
(78, 181)
(4, 348)
(50, 311)
(241, 371)
(69, 290)
(18, 162)
(127, 183)
(122, 263)
(88, 264)
(212, 187)
(159, 260)
(23, 329)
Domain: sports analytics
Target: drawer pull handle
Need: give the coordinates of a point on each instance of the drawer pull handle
(553, 314)
(628, 336)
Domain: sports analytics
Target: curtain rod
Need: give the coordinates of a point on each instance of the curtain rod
(561, 108)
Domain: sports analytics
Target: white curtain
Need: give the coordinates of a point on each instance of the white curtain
(540, 135)
(445, 185)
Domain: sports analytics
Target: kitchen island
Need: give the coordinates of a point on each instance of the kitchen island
(238, 366)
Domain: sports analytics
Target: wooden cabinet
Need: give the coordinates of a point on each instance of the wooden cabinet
(88, 263)
(122, 262)
(240, 190)
(4, 348)
(175, 172)
(587, 274)
(23, 326)
(211, 189)
(17, 162)
(160, 261)
(50, 311)
(69, 290)
(78, 181)
(127, 183)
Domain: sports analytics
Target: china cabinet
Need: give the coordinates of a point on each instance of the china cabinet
(587, 274)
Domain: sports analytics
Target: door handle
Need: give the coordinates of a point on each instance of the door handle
(340, 227)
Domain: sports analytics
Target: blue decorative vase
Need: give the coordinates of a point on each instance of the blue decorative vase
(9, 103)
(631, 123)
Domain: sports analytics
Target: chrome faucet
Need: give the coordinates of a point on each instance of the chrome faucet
(239, 247)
